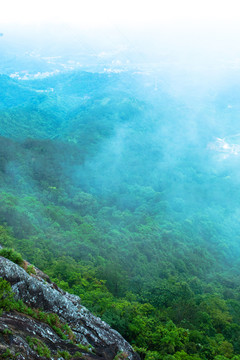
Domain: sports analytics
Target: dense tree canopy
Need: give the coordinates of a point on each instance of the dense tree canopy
(108, 189)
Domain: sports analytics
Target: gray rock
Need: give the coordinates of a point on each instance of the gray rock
(88, 328)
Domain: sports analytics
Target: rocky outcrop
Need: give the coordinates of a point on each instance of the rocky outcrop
(38, 291)
(20, 327)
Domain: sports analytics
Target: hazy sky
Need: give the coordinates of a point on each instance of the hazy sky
(84, 13)
(195, 33)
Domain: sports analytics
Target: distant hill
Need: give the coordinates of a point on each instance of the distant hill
(74, 106)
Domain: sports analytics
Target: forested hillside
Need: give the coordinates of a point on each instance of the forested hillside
(123, 194)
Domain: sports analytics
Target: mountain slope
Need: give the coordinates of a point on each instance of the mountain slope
(111, 187)
(87, 330)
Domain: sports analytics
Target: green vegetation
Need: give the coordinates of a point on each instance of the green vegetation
(78, 354)
(121, 356)
(6, 296)
(30, 269)
(38, 346)
(63, 330)
(12, 255)
(7, 355)
(86, 348)
(125, 205)
(7, 332)
(7, 302)
(65, 354)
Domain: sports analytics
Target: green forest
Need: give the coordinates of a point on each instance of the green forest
(113, 190)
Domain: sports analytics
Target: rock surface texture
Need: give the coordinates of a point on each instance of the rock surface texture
(37, 291)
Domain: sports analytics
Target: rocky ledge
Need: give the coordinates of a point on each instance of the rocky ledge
(38, 292)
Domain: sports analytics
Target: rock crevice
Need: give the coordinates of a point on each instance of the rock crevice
(39, 292)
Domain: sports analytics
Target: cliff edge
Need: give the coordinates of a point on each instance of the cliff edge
(26, 337)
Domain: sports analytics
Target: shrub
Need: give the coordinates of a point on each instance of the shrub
(86, 348)
(6, 296)
(12, 255)
(31, 270)
(78, 354)
(65, 354)
(7, 332)
(7, 355)
(38, 346)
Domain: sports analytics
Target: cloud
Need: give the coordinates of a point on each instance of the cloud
(226, 148)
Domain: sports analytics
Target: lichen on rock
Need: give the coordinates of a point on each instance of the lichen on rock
(38, 291)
